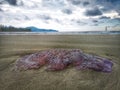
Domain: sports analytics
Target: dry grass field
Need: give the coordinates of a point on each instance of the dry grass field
(13, 47)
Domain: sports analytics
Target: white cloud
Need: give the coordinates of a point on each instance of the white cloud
(111, 14)
(48, 14)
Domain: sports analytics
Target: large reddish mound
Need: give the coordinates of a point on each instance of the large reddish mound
(59, 59)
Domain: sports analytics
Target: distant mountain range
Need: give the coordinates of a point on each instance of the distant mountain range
(35, 29)
(26, 29)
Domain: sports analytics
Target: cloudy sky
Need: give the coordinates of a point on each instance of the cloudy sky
(62, 15)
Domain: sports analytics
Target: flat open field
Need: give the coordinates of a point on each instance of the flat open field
(13, 47)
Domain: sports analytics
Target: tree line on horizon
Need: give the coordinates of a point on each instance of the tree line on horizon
(4, 28)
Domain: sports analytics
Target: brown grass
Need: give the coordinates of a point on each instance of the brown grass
(13, 47)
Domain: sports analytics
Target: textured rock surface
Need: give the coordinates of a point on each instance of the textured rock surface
(59, 59)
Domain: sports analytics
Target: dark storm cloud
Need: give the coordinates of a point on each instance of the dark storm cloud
(44, 17)
(104, 17)
(106, 9)
(93, 12)
(109, 5)
(67, 11)
(2, 1)
(79, 22)
(79, 2)
(106, 2)
(112, 1)
(75, 2)
(12, 2)
(94, 21)
(1, 10)
(85, 3)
